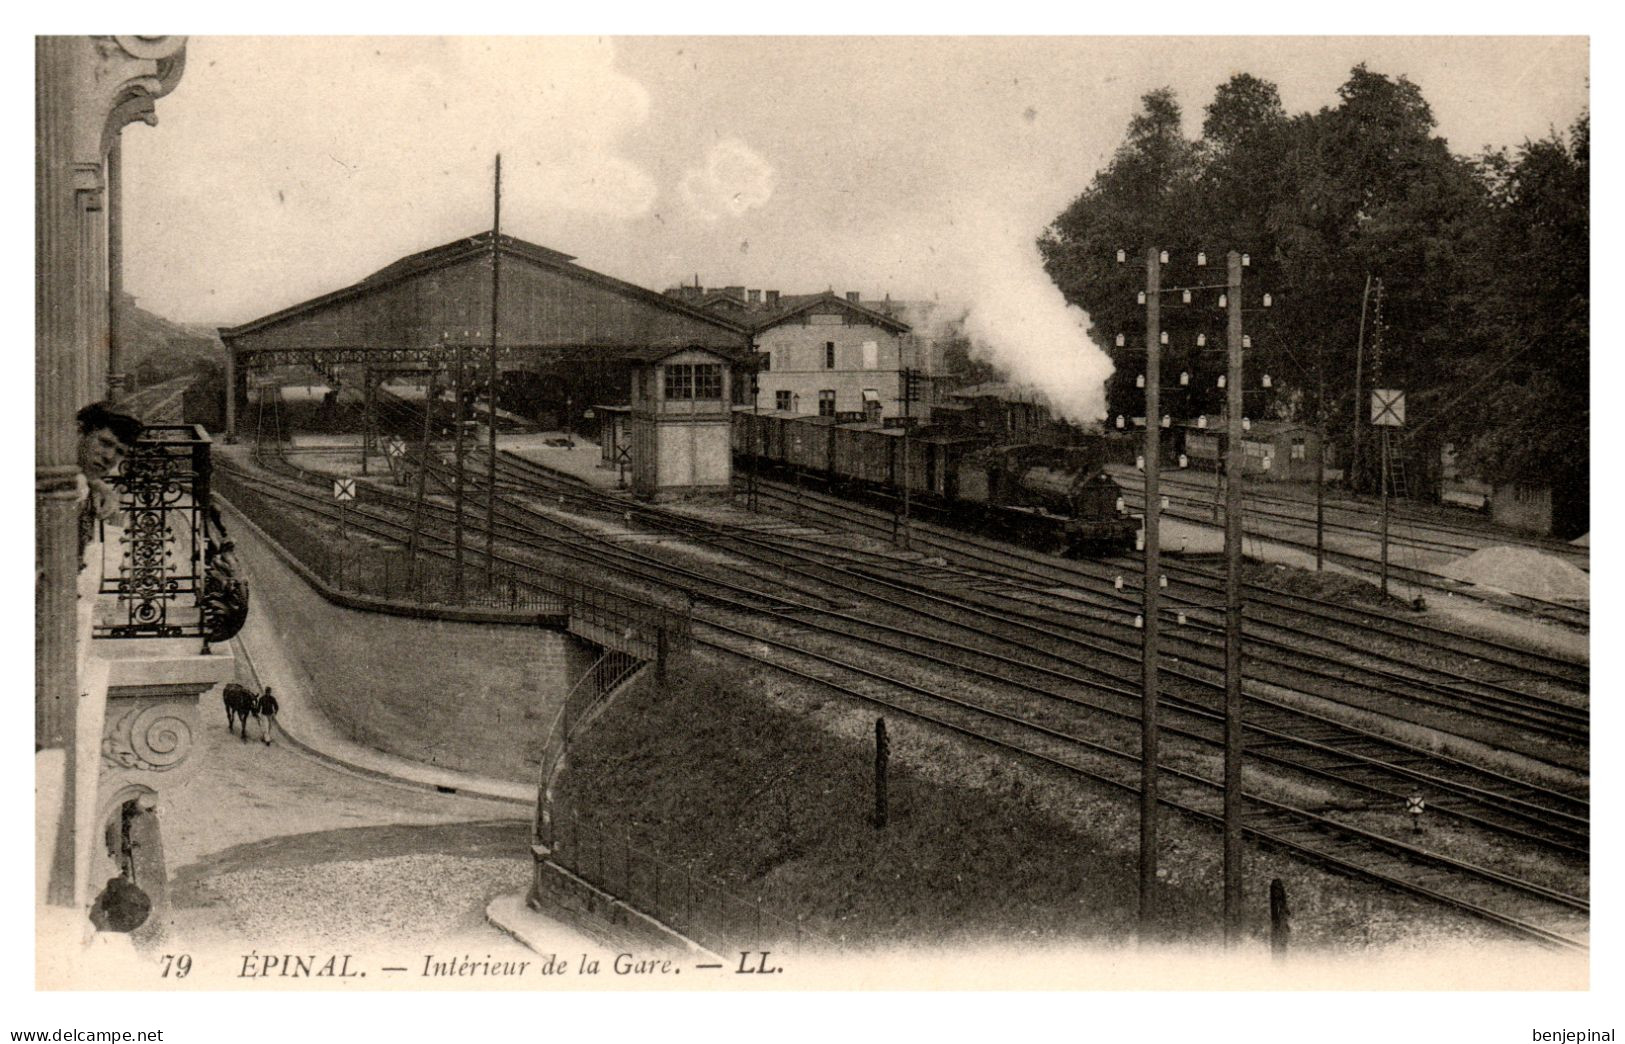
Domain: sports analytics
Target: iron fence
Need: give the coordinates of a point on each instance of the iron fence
(627, 621)
(697, 905)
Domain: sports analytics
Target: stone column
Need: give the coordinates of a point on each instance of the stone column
(86, 89)
(115, 269)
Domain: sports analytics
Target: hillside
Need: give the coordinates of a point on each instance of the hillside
(157, 349)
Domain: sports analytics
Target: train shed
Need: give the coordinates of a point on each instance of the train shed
(553, 319)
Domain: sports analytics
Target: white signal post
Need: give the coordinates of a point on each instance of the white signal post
(343, 490)
(1387, 411)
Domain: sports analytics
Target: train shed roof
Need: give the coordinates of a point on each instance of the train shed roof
(443, 296)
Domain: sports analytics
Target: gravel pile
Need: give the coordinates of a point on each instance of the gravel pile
(402, 899)
(1522, 570)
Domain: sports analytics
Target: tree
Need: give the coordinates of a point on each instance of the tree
(1531, 422)
(1142, 196)
(1477, 259)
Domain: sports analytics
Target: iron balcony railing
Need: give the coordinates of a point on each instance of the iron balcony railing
(171, 566)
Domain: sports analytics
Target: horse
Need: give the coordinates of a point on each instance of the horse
(240, 703)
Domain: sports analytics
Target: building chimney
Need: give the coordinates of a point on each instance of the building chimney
(755, 296)
(852, 296)
(735, 292)
(772, 298)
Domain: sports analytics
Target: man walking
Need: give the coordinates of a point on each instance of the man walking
(267, 715)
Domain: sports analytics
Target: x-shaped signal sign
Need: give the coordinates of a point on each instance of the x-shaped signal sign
(1388, 407)
(344, 489)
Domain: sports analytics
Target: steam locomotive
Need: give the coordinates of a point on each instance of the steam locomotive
(1050, 497)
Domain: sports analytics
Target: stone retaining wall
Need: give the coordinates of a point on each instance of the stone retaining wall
(476, 697)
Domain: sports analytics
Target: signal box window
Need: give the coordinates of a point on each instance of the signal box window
(781, 400)
(829, 355)
(700, 381)
(826, 403)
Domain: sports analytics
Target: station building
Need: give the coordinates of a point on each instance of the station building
(833, 357)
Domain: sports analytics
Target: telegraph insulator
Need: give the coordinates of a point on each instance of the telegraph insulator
(1139, 380)
(1164, 337)
(1167, 420)
(1246, 261)
(1201, 422)
(1121, 340)
(1164, 257)
(1162, 581)
(1221, 380)
(1267, 463)
(1267, 301)
(1246, 424)
(1119, 420)
(1184, 461)
(1165, 508)
(1122, 255)
(1184, 377)
(1224, 300)
(1201, 259)
(1185, 297)
(1201, 340)
(1267, 382)
(1139, 621)
(1142, 297)
(1122, 505)
(1182, 619)
(1117, 581)
(1246, 340)
(1139, 462)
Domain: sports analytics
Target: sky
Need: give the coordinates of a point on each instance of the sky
(920, 168)
(283, 167)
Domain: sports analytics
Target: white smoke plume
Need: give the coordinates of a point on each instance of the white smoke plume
(1016, 316)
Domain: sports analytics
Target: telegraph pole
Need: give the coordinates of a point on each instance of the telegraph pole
(491, 381)
(423, 468)
(1320, 470)
(366, 414)
(458, 453)
(1353, 477)
(1376, 380)
(1232, 615)
(908, 399)
(1149, 661)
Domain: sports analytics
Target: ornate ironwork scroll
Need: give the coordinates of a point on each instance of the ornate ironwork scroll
(164, 497)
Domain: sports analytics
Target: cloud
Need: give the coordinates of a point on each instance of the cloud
(348, 153)
(732, 180)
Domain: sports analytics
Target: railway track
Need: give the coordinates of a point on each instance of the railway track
(1487, 700)
(1426, 529)
(1443, 653)
(1323, 852)
(1573, 616)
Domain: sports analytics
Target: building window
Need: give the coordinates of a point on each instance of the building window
(699, 381)
(679, 382)
(871, 355)
(1299, 450)
(767, 361)
(829, 355)
(781, 400)
(826, 403)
